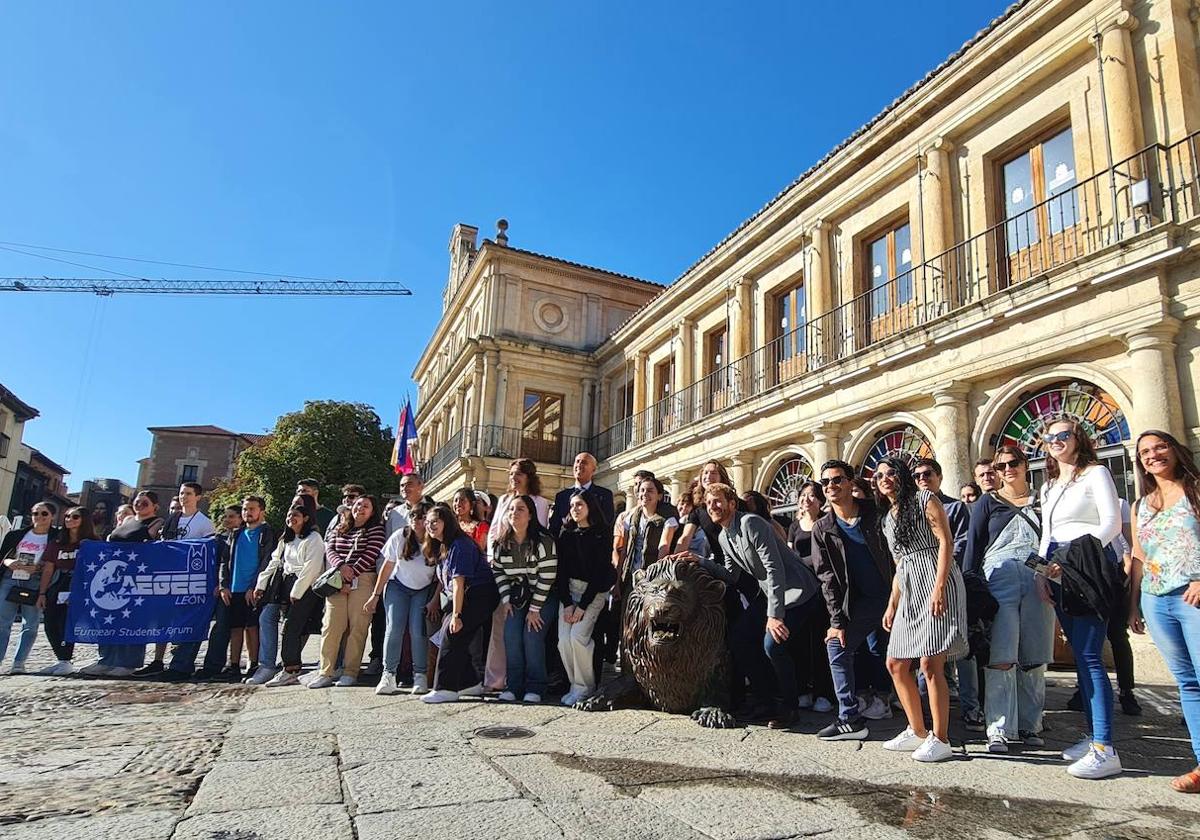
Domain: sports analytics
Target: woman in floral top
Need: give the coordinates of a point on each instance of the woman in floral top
(1166, 573)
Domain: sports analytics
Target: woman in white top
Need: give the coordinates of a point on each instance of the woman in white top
(523, 480)
(1079, 499)
(405, 583)
(299, 558)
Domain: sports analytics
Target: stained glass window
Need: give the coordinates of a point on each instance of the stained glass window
(784, 490)
(902, 442)
(1095, 408)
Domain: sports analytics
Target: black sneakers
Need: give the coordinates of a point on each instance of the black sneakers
(155, 667)
(845, 730)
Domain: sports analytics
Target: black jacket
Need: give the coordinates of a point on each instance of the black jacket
(226, 544)
(8, 548)
(1092, 581)
(828, 559)
(585, 555)
(562, 506)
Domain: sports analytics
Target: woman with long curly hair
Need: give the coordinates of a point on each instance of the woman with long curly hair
(1166, 571)
(927, 612)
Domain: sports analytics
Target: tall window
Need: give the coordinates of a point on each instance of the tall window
(190, 472)
(664, 379)
(1039, 199)
(627, 400)
(789, 319)
(889, 270)
(541, 426)
(716, 350)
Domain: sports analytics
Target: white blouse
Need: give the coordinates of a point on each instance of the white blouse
(1087, 505)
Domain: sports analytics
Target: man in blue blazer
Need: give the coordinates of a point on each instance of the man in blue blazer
(584, 468)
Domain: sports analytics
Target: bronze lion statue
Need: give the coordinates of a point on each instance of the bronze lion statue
(673, 635)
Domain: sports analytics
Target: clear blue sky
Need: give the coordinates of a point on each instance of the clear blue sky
(345, 140)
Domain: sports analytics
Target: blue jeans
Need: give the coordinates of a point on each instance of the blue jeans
(1087, 633)
(1023, 637)
(405, 607)
(30, 615)
(1175, 628)
(865, 625)
(183, 656)
(796, 619)
(268, 635)
(525, 650)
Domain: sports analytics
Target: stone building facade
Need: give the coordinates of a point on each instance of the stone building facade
(1015, 236)
(14, 414)
(205, 454)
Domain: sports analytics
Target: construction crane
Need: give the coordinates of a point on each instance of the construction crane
(142, 286)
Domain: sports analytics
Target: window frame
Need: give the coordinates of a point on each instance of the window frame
(887, 234)
(795, 295)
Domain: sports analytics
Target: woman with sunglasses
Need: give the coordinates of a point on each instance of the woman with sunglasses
(144, 526)
(1079, 500)
(24, 551)
(927, 611)
(1005, 530)
(55, 587)
(1165, 594)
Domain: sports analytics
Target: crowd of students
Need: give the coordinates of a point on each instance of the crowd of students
(882, 592)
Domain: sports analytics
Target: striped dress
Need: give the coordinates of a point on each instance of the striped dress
(916, 631)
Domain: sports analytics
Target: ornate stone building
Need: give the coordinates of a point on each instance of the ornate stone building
(1014, 236)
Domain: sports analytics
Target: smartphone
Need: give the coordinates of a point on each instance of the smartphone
(1039, 565)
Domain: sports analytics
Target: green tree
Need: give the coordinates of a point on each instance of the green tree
(334, 442)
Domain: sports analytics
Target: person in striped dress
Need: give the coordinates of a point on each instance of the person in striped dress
(927, 612)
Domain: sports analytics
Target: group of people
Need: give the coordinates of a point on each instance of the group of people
(882, 592)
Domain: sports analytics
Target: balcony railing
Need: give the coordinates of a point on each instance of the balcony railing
(507, 443)
(1158, 184)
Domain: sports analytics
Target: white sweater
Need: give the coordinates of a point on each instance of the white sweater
(1088, 505)
(303, 558)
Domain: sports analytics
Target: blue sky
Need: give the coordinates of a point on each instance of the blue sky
(345, 140)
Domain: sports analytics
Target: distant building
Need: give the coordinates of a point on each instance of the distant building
(13, 414)
(204, 454)
(38, 479)
(102, 496)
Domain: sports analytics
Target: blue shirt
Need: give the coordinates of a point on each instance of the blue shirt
(865, 580)
(463, 558)
(245, 559)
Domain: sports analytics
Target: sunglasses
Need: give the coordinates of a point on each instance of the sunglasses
(923, 475)
(1058, 437)
(835, 481)
(74, 516)
(41, 513)
(1001, 466)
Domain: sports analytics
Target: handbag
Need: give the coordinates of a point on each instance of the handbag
(22, 596)
(329, 582)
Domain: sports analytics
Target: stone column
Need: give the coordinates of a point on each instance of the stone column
(742, 340)
(741, 470)
(487, 404)
(818, 292)
(825, 446)
(460, 408)
(680, 483)
(685, 353)
(586, 402)
(498, 411)
(639, 381)
(952, 434)
(935, 282)
(1154, 380)
(1120, 87)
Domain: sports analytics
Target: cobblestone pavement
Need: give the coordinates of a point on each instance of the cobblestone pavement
(142, 761)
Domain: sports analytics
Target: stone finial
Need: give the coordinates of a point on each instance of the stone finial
(502, 232)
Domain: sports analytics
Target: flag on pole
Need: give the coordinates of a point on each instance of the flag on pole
(403, 457)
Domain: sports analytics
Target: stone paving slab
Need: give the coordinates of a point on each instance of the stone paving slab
(140, 824)
(273, 783)
(618, 819)
(291, 745)
(425, 783)
(514, 818)
(327, 822)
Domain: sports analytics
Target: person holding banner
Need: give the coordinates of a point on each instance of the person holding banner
(23, 552)
(144, 526)
(354, 548)
(55, 587)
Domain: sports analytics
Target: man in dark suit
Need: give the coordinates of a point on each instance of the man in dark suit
(584, 468)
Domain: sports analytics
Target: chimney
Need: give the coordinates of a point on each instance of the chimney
(502, 232)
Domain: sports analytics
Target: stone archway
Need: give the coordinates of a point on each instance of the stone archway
(903, 441)
(783, 490)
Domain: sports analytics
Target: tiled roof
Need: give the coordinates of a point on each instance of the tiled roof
(59, 468)
(561, 261)
(256, 440)
(209, 429)
(929, 77)
(22, 409)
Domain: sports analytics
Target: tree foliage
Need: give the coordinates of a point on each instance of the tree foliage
(334, 442)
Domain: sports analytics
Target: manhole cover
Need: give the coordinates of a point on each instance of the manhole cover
(504, 733)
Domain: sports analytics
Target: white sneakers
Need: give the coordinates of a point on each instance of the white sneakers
(17, 668)
(506, 697)
(283, 678)
(997, 743)
(1099, 762)
(531, 698)
(420, 683)
(1079, 750)
(320, 682)
(346, 681)
(61, 668)
(577, 693)
(906, 741)
(933, 750)
(387, 684)
(822, 706)
(96, 669)
(875, 709)
(440, 696)
(474, 691)
(261, 676)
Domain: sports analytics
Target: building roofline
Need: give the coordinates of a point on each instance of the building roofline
(571, 263)
(54, 465)
(19, 407)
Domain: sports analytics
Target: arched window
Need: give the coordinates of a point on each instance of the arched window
(784, 489)
(1092, 406)
(903, 442)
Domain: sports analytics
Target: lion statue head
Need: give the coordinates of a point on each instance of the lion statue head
(674, 632)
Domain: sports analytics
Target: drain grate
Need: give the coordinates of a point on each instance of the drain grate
(503, 733)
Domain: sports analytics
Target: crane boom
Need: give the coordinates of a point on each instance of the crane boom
(107, 287)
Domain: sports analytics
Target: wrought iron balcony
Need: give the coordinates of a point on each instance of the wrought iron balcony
(1157, 185)
(508, 443)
